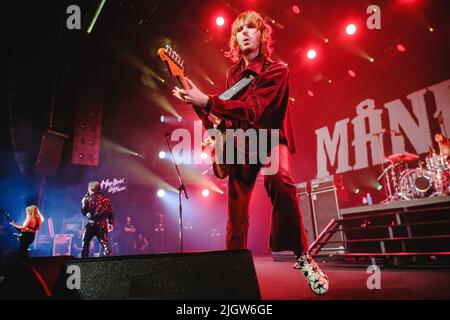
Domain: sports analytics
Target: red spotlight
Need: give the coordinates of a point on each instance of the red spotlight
(401, 47)
(350, 29)
(205, 193)
(295, 9)
(310, 93)
(311, 54)
(352, 73)
(220, 21)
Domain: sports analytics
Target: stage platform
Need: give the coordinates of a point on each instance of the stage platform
(404, 205)
(278, 281)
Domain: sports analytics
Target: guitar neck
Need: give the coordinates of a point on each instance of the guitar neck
(7, 217)
(183, 82)
(201, 113)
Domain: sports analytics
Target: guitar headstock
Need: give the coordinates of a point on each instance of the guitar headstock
(173, 60)
(6, 215)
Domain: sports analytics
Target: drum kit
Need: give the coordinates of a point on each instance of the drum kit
(430, 179)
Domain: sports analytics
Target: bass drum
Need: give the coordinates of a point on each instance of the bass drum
(416, 184)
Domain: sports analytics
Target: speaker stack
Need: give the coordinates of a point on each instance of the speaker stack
(214, 275)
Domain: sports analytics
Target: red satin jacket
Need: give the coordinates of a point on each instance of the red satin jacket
(261, 105)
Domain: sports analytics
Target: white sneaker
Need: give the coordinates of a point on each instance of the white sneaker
(318, 281)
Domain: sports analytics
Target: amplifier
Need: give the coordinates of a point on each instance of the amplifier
(325, 206)
(302, 187)
(305, 207)
(330, 182)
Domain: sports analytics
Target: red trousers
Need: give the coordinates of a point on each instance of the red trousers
(286, 231)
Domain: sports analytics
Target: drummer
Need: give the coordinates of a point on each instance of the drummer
(444, 145)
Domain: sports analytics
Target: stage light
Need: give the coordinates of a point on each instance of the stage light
(430, 29)
(310, 93)
(205, 193)
(162, 155)
(97, 12)
(401, 48)
(220, 21)
(204, 156)
(161, 193)
(295, 9)
(179, 119)
(357, 191)
(311, 54)
(350, 29)
(162, 119)
(379, 187)
(351, 73)
(326, 40)
(371, 59)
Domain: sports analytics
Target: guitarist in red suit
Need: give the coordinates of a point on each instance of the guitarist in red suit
(261, 105)
(98, 209)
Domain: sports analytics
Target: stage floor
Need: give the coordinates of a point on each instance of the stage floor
(278, 281)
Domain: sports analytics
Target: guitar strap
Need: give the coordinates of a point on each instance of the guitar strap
(241, 84)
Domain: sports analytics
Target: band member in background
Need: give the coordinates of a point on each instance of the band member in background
(261, 105)
(444, 144)
(129, 236)
(98, 209)
(32, 224)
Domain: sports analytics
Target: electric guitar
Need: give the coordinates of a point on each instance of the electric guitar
(7, 217)
(176, 68)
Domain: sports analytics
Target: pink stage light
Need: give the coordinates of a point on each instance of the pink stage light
(350, 29)
(220, 21)
(204, 155)
(205, 193)
(295, 9)
(352, 73)
(161, 193)
(311, 54)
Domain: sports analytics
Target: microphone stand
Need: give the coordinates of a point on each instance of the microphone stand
(181, 189)
(379, 136)
(388, 191)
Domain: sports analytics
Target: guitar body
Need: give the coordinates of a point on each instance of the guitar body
(176, 68)
(221, 171)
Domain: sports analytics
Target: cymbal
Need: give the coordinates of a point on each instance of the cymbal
(398, 157)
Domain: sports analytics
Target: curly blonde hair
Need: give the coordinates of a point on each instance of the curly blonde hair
(234, 52)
